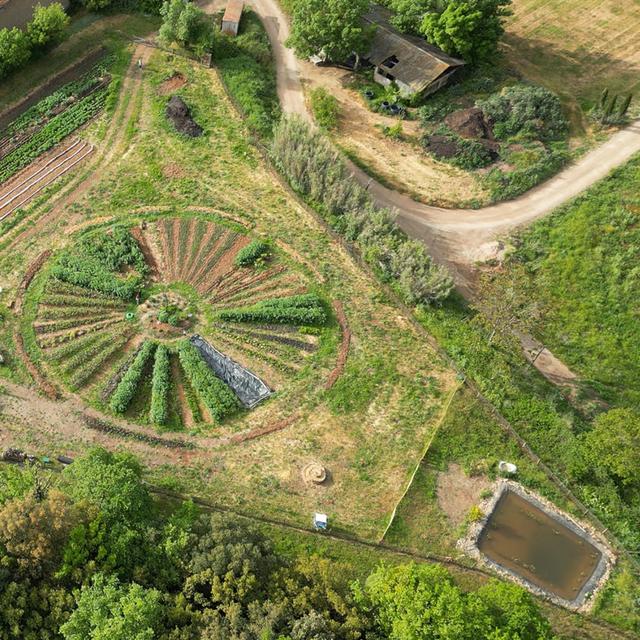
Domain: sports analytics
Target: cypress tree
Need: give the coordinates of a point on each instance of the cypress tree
(624, 107)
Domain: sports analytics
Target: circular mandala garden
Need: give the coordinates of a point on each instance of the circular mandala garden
(175, 322)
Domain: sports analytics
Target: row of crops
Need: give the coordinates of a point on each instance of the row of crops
(93, 331)
(51, 120)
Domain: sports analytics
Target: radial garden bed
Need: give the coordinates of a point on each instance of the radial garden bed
(176, 322)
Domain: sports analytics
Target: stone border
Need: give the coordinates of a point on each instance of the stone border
(585, 599)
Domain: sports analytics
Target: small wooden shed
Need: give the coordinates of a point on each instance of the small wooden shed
(232, 16)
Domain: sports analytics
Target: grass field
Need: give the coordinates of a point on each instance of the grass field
(577, 48)
(582, 263)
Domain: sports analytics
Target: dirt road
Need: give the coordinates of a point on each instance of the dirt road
(456, 237)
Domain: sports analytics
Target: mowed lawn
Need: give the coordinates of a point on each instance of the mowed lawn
(577, 47)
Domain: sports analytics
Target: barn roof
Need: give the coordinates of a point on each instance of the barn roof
(408, 58)
(233, 12)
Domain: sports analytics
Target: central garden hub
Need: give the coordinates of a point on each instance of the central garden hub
(167, 315)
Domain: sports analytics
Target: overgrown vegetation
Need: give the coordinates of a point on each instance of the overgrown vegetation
(256, 251)
(581, 264)
(97, 262)
(248, 72)
(523, 126)
(160, 386)
(97, 556)
(316, 171)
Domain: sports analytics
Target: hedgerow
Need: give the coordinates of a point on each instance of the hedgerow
(251, 253)
(317, 171)
(128, 385)
(217, 397)
(160, 387)
(96, 262)
(297, 310)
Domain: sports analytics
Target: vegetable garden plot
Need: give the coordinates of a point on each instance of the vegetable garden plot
(114, 317)
(51, 120)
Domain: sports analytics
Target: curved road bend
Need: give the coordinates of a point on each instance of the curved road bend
(456, 237)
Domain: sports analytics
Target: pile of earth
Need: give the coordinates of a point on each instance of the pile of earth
(470, 124)
(178, 112)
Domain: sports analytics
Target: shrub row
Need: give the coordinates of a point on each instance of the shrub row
(160, 387)
(316, 171)
(127, 386)
(297, 310)
(97, 259)
(248, 255)
(218, 398)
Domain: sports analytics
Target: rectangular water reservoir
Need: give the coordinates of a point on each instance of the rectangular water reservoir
(544, 548)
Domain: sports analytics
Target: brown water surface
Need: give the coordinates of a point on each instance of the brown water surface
(527, 541)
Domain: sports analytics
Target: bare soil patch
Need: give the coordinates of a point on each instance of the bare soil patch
(400, 163)
(457, 492)
(171, 85)
(173, 170)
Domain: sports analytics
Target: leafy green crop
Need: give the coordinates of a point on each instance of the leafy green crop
(304, 309)
(218, 398)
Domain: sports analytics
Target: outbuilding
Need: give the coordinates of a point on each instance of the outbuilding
(411, 63)
(231, 17)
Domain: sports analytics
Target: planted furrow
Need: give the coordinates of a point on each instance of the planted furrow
(55, 286)
(226, 240)
(174, 239)
(128, 385)
(223, 261)
(149, 256)
(55, 300)
(163, 233)
(160, 386)
(72, 323)
(299, 345)
(114, 379)
(211, 239)
(215, 394)
(91, 366)
(201, 232)
(253, 354)
(261, 294)
(250, 283)
(278, 350)
(185, 241)
(65, 313)
(54, 339)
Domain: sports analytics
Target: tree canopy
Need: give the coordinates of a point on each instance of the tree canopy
(47, 25)
(614, 442)
(72, 567)
(470, 29)
(333, 27)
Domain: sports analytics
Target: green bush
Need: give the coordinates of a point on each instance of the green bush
(216, 395)
(160, 387)
(254, 251)
(128, 385)
(526, 111)
(325, 107)
(96, 262)
(503, 185)
(297, 310)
